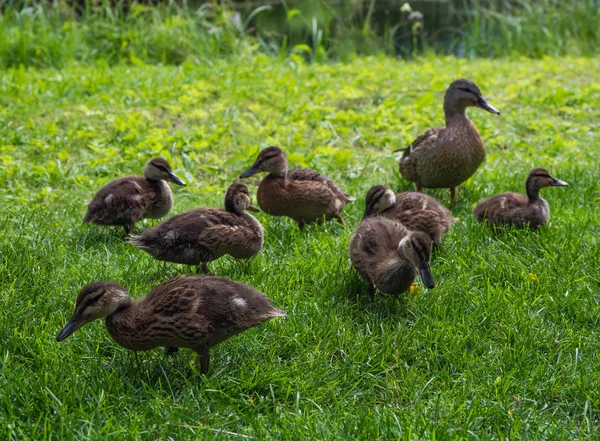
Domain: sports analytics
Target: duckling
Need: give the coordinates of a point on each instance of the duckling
(416, 211)
(389, 256)
(301, 193)
(445, 157)
(205, 234)
(125, 201)
(517, 209)
(196, 312)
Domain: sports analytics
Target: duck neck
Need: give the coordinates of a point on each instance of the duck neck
(454, 113)
(533, 193)
(121, 320)
(281, 176)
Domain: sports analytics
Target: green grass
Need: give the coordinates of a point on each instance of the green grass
(505, 346)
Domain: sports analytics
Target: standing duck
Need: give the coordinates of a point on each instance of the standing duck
(445, 157)
(389, 256)
(125, 201)
(416, 211)
(205, 234)
(301, 193)
(518, 209)
(195, 312)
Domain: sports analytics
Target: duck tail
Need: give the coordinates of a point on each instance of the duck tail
(275, 312)
(137, 241)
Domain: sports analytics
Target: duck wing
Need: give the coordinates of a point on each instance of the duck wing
(423, 141)
(308, 174)
(421, 212)
(502, 208)
(121, 201)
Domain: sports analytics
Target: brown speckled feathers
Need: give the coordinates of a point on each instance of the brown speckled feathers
(520, 210)
(381, 257)
(205, 234)
(195, 312)
(301, 194)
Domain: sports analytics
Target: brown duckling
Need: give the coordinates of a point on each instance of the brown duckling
(200, 236)
(416, 211)
(301, 193)
(196, 312)
(125, 201)
(389, 256)
(518, 209)
(445, 157)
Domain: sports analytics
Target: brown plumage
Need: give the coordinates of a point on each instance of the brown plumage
(196, 312)
(445, 157)
(301, 194)
(125, 201)
(200, 236)
(416, 211)
(389, 256)
(517, 209)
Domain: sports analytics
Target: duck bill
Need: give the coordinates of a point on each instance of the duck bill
(426, 276)
(74, 324)
(174, 178)
(486, 106)
(250, 172)
(253, 208)
(559, 183)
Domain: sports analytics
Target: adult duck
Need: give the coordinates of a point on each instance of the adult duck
(445, 157)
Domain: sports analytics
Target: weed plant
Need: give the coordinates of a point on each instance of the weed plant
(54, 34)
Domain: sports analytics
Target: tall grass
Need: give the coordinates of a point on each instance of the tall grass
(52, 34)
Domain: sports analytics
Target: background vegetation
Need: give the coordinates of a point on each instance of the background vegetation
(505, 346)
(44, 34)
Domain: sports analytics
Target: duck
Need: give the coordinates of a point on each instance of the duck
(389, 256)
(416, 211)
(202, 235)
(520, 210)
(445, 157)
(125, 201)
(195, 312)
(302, 194)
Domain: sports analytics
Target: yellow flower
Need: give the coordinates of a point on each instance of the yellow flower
(532, 276)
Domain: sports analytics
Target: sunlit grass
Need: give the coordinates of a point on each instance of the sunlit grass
(504, 347)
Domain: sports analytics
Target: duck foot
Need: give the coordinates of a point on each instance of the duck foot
(204, 360)
(452, 194)
(204, 269)
(419, 189)
(340, 220)
(372, 293)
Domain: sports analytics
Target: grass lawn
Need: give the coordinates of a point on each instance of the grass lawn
(505, 346)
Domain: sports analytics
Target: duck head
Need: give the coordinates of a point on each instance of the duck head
(378, 199)
(539, 178)
(237, 199)
(158, 168)
(416, 248)
(464, 93)
(271, 160)
(95, 301)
